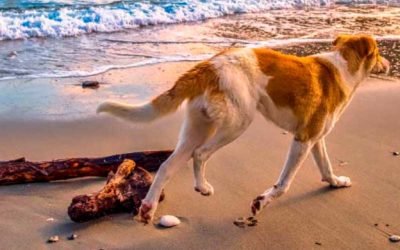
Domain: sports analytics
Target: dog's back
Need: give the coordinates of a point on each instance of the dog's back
(293, 92)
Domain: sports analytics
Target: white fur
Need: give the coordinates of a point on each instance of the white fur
(236, 72)
(352, 80)
(321, 159)
(334, 57)
(242, 79)
(135, 113)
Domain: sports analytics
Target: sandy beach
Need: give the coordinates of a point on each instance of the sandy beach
(310, 216)
(46, 118)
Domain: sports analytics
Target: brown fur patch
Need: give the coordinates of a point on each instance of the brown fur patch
(193, 83)
(311, 87)
(358, 51)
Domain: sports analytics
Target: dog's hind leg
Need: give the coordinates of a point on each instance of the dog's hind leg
(225, 134)
(297, 155)
(193, 134)
(321, 159)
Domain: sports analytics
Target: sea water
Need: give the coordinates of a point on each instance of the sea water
(44, 38)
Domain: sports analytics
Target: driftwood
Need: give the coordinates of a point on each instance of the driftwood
(123, 192)
(22, 171)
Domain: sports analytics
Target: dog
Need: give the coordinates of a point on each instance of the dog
(302, 95)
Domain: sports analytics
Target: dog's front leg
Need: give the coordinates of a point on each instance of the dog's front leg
(297, 154)
(321, 159)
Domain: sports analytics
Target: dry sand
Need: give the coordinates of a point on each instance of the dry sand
(310, 213)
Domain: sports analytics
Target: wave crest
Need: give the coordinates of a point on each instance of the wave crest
(73, 21)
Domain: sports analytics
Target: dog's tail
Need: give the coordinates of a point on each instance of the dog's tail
(188, 86)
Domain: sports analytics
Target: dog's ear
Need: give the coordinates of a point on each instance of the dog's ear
(336, 41)
(363, 45)
(340, 39)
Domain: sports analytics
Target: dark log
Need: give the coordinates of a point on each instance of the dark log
(21, 171)
(123, 192)
(90, 84)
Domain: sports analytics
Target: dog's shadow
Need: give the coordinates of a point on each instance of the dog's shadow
(309, 195)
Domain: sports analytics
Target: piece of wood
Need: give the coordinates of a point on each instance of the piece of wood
(123, 192)
(21, 171)
(90, 84)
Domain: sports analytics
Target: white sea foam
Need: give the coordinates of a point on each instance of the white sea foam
(105, 68)
(70, 21)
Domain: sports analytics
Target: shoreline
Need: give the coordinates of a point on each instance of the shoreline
(65, 99)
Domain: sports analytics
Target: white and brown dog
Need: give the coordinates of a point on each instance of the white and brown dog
(303, 95)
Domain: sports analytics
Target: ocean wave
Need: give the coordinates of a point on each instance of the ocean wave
(120, 15)
(105, 68)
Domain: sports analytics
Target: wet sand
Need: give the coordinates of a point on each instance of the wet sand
(310, 216)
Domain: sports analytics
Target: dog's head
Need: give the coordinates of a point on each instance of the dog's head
(361, 53)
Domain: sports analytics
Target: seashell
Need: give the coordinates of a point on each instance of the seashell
(394, 238)
(53, 239)
(169, 221)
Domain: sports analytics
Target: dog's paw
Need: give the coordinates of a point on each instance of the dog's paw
(266, 198)
(206, 189)
(146, 212)
(261, 201)
(340, 181)
(257, 204)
